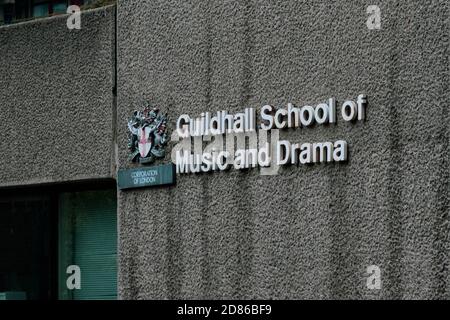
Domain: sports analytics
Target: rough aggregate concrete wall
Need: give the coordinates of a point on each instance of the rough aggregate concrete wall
(56, 95)
(311, 231)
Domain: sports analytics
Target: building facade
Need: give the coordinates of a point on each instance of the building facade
(313, 231)
(13, 11)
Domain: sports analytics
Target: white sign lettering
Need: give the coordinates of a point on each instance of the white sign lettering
(242, 135)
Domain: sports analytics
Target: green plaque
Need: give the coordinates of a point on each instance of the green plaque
(146, 177)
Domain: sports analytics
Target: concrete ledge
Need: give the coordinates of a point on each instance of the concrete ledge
(57, 102)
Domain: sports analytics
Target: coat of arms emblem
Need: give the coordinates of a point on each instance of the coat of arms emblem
(148, 135)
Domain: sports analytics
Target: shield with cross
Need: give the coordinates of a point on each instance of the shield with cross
(145, 141)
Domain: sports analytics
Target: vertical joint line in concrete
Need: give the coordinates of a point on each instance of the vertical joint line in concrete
(114, 149)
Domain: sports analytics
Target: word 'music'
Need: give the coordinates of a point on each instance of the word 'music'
(249, 158)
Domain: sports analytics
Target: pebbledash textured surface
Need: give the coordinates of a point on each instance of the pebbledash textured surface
(308, 232)
(311, 231)
(57, 102)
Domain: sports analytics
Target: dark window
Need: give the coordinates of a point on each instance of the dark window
(19, 10)
(43, 231)
(8, 13)
(27, 236)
